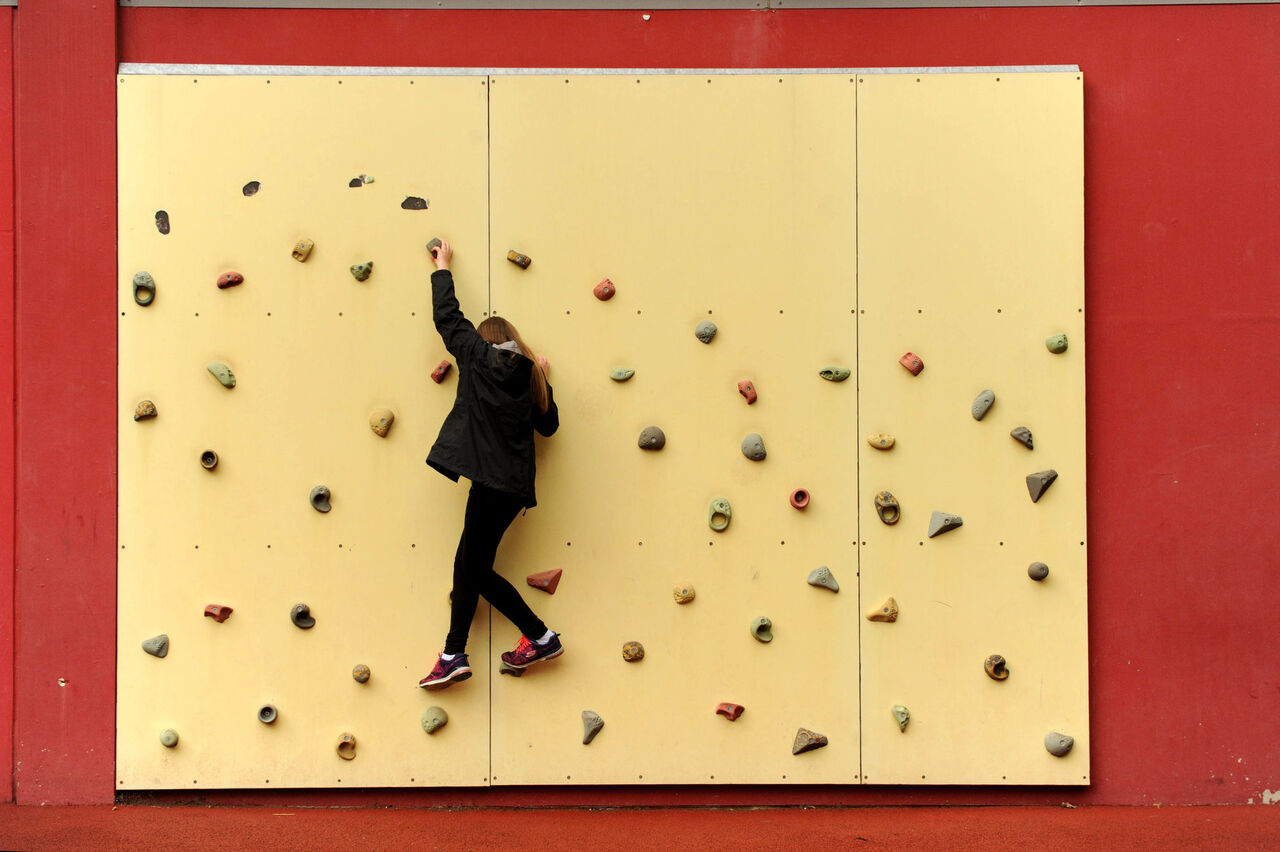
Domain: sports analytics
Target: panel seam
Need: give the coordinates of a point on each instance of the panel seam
(488, 253)
(857, 367)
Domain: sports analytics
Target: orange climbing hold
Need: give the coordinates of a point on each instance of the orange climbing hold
(729, 711)
(441, 370)
(218, 613)
(546, 580)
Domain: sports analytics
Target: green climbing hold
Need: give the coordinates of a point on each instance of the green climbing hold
(705, 331)
(1056, 343)
(362, 271)
(762, 629)
(621, 374)
(720, 514)
(144, 288)
(222, 373)
(835, 374)
(169, 738)
(901, 715)
(433, 719)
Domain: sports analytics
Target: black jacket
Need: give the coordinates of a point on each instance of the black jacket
(488, 436)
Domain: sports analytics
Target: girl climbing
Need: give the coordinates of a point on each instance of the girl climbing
(503, 396)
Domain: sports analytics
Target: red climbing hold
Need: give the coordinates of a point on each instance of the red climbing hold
(441, 370)
(546, 580)
(217, 613)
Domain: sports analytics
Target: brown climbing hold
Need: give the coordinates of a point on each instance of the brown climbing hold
(162, 221)
(800, 499)
(886, 612)
(996, 667)
(807, 740)
(380, 421)
(218, 613)
(441, 370)
(1022, 435)
(520, 260)
(748, 391)
(302, 250)
(604, 290)
(591, 725)
(414, 202)
(652, 438)
(1038, 483)
(347, 747)
(633, 652)
(683, 593)
(229, 279)
(887, 508)
(145, 410)
(251, 188)
(545, 580)
(361, 673)
(912, 362)
(881, 441)
(729, 711)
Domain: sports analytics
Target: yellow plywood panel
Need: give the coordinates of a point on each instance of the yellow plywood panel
(314, 352)
(970, 255)
(722, 198)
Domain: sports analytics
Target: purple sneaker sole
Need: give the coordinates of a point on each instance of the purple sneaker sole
(454, 675)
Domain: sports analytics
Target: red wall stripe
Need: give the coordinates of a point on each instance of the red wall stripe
(6, 405)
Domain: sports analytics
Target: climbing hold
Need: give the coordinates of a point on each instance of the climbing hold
(652, 438)
(835, 374)
(362, 271)
(359, 180)
(520, 260)
(302, 249)
(222, 373)
(208, 459)
(887, 508)
(145, 409)
(144, 288)
(433, 719)
(267, 714)
(441, 370)
(800, 499)
(591, 725)
(380, 421)
(1037, 570)
(1038, 483)
(940, 522)
(300, 615)
(632, 652)
(361, 673)
(604, 290)
(887, 612)
(157, 646)
(1057, 343)
(720, 514)
(621, 374)
(217, 612)
(705, 331)
(912, 362)
(729, 711)
(320, 498)
(683, 593)
(753, 447)
(982, 404)
(347, 747)
(229, 279)
(433, 245)
(168, 738)
(1058, 744)
(504, 668)
(807, 740)
(251, 188)
(996, 668)
(748, 391)
(881, 441)
(546, 580)
(1022, 435)
(414, 202)
(162, 221)
(762, 629)
(901, 715)
(822, 576)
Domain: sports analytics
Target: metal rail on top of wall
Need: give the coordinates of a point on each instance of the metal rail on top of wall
(652, 4)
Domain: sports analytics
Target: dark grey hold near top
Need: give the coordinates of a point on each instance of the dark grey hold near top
(1022, 435)
(1058, 744)
(320, 498)
(940, 522)
(162, 221)
(157, 646)
(753, 447)
(705, 331)
(300, 615)
(982, 403)
(591, 725)
(414, 202)
(362, 271)
(1037, 571)
(652, 438)
(144, 288)
(267, 714)
(251, 188)
(823, 578)
(1038, 483)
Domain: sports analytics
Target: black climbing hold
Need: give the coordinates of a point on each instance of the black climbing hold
(1038, 483)
(162, 221)
(413, 202)
(354, 182)
(251, 188)
(300, 615)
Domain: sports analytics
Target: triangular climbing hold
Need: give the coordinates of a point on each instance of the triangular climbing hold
(941, 522)
(1038, 483)
(546, 580)
(807, 740)
(887, 612)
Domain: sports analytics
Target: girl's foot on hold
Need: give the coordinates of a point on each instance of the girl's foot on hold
(447, 672)
(527, 653)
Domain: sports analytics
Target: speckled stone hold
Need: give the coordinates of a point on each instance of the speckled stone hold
(996, 667)
(218, 612)
(881, 441)
(835, 374)
(1058, 744)
(1037, 571)
(222, 373)
(901, 715)
(381, 421)
(433, 719)
(169, 738)
(144, 288)
(320, 498)
(941, 522)
(706, 331)
(300, 615)
(362, 271)
(415, 202)
(1022, 435)
(251, 188)
(267, 714)
(762, 629)
(157, 646)
(604, 290)
(982, 404)
(591, 725)
(652, 438)
(229, 279)
(683, 593)
(302, 249)
(748, 391)
(547, 581)
(521, 260)
(361, 673)
(719, 515)
(633, 652)
(887, 612)
(753, 447)
(887, 508)
(823, 578)
(162, 221)
(729, 711)
(621, 374)
(1038, 483)
(807, 740)
(146, 409)
(1056, 343)
(347, 746)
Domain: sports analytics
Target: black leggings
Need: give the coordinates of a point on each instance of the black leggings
(489, 513)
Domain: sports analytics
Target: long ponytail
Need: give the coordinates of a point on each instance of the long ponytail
(495, 329)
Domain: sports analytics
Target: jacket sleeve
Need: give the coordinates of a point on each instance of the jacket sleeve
(547, 422)
(459, 335)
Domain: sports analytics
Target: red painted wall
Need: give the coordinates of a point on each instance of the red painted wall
(1182, 135)
(6, 405)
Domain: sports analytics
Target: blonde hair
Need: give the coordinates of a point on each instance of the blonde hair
(498, 330)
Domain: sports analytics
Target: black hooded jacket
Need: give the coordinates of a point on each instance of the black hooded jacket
(488, 436)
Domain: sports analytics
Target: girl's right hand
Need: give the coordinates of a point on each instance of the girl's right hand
(442, 255)
(545, 365)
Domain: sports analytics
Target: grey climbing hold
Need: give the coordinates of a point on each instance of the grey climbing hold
(433, 719)
(591, 725)
(1056, 343)
(267, 714)
(434, 244)
(169, 738)
(753, 447)
(835, 374)
(381, 420)
(144, 288)
(1058, 744)
(621, 374)
(360, 673)
(414, 202)
(300, 615)
(1038, 483)
(652, 438)
(940, 522)
(359, 180)
(320, 498)
(162, 221)
(157, 646)
(208, 460)
(504, 668)
(347, 746)
(362, 271)
(762, 629)
(705, 331)
(1037, 570)
(822, 577)
(982, 404)
(1022, 435)
(146, 409)
(222, 373)
(807, 740)
(901, 715)
(887, 612)
(720, 514)
(251, 188)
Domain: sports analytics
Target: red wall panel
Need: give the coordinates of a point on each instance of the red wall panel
(1182, 142)
(6, 404)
